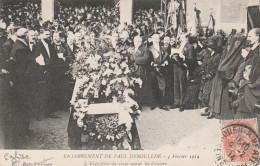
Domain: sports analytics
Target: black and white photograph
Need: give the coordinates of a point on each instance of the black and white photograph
(130, 75)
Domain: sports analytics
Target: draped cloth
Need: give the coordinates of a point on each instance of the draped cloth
(229, 64)
(230, 60)
(173, 7)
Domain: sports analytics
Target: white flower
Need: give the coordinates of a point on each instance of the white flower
(125, 81)
(85, 92)
(118, 72)
(106, 64)
(111, 59)
(97, 57)
(132, 82)
(108, 137)
(127, 71)
(81, 115)
(109, 72)
(76, 115)
(77, 105)
(79, 55)
(123, 65)
(139, 112)
(80, 123)
(113, 65)
(104, 82)
(108, 91)
(114, 99)
(113, 81)
(104, 73)
(84, 79)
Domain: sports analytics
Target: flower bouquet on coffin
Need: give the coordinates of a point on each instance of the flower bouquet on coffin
(107, 76)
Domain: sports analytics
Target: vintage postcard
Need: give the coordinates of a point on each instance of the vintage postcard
(129, 82)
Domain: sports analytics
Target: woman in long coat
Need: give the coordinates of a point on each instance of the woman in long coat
(209, 68)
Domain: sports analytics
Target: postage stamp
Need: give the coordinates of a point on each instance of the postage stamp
(240, 140)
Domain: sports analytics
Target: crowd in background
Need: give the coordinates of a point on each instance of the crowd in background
(181, 70)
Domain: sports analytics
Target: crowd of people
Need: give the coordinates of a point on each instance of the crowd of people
(186, 71)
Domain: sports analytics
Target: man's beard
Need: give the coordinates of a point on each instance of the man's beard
(137, 46)
(33, 41)
(57, 42)
(249, 42)
(47, 40)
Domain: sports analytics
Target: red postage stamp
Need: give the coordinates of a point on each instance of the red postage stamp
(240, 140)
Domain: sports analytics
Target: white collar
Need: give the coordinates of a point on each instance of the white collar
(254, 46)
(157, 47)
(13, 38)
(46, 46)
(212, 53)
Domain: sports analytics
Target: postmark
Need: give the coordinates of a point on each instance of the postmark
(240, 140)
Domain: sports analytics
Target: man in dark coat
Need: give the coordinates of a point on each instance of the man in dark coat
(141, 57)
(180, 61)
(8, 45)
(71, 47)
(62, 96)
(169, 90)
(249, 85)
(46, 59)
(22, 58)
(31, 42)
(7, 114)
(159, 63)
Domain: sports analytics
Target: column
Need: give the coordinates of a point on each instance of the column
(47, 10)
(126, 11)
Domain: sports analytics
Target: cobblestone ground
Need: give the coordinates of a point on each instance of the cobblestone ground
(158, 130)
